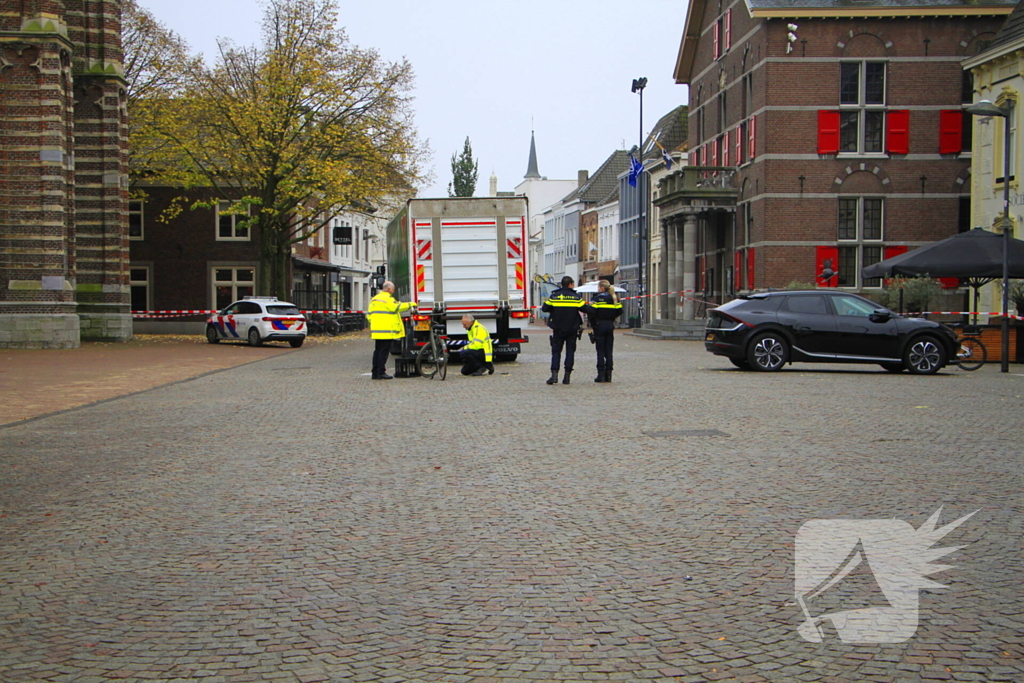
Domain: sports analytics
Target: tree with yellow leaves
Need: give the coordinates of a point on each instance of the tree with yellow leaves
(291, 131)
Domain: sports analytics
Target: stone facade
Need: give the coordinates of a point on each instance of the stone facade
(63, 175)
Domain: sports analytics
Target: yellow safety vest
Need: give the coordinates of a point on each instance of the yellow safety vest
(480, 338)
(385, 316)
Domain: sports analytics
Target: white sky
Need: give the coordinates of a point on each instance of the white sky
(564, 67)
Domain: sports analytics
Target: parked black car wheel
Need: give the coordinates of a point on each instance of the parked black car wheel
(924, 356)
(768, 352)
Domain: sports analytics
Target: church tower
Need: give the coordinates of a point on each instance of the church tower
(63, 175)
(531, 170)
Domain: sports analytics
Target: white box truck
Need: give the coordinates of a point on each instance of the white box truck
(463, 255)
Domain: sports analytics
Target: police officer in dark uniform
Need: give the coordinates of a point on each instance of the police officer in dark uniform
(564, 308)
(606, 308)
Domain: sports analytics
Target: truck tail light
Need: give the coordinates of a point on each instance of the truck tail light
(520, 314)
(420, 318)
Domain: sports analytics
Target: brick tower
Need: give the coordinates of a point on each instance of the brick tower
(63, 171)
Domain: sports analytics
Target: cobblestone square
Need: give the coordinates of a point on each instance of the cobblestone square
(291, 520)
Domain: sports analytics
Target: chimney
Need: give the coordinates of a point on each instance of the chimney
(582, 177)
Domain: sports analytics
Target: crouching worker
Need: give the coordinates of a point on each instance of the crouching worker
(477, 355)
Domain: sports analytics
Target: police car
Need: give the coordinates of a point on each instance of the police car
(258, 319)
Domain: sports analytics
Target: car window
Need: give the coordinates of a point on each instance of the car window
(805, 304)
(283, 310)
(853, 306)
(235, 308)
(253, 308)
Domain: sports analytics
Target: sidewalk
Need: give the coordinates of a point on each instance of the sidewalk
(36, 382)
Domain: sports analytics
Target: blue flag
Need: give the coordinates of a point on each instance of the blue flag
(635, 169)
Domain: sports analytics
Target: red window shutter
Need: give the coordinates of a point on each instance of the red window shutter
(714, 152)
(725, 148)
(750, 268)
(897, 131)
(949, 282)
(737, 271)
(827, 257)
(951, 131)
(714, 40)
(889, 252)
(728, 29)
(750, 139)
(828, 132)
(739, 144)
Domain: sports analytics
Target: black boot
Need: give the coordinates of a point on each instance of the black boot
(600, 376)
(565, 380)
(553, 379)
(608, 375)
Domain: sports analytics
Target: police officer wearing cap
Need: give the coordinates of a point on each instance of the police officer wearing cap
(564, 307)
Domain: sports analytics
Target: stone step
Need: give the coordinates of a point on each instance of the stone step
(648, 333)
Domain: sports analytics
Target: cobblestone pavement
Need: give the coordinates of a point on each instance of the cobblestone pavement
(292, 520)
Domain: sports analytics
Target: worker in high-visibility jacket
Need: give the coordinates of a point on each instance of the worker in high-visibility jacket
(479, 351)
(385, 314)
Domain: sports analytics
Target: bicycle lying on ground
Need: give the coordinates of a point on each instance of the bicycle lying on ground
(432, 358)
(972, 352)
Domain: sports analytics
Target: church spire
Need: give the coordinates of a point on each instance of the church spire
(531, 171)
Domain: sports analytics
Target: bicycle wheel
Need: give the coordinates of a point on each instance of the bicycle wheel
(332, 327)
(972, 353)
(427, 360)
(442, 358)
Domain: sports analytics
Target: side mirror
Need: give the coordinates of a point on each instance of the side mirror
(880, 315)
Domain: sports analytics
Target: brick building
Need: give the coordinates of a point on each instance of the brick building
(826, 135)
(63, 163)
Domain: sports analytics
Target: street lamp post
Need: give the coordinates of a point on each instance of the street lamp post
(988, 109)
(638, 86)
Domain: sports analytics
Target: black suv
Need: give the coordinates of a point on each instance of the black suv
(766, 331)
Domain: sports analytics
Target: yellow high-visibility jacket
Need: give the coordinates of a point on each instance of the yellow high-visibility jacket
(480, 338)
(385, 316)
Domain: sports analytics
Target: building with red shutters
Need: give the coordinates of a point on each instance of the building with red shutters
(825, 135)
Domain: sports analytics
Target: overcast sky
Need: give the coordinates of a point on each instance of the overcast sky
(561, 67)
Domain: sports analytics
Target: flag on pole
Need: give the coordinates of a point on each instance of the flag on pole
(635, 169)
(664, 155)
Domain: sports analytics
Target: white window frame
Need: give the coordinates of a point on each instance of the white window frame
(862, 108)
(136, 207)
(235, 282)
(234, 219)
(147, 283)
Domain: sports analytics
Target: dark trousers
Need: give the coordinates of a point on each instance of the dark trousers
(381, 351)
(559, 339)
(604, 341)
(472, 360)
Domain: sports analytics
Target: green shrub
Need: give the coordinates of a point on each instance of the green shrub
(796, 284)
(917, 293)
